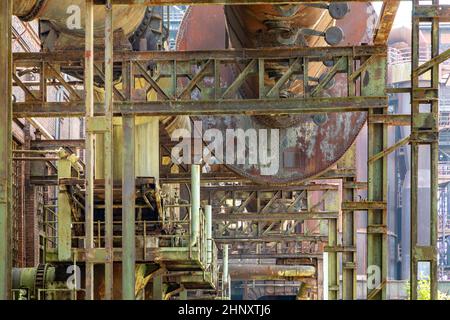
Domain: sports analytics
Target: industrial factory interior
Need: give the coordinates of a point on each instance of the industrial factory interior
(224, 150)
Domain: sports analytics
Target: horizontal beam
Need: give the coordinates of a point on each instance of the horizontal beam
(73, 56)
(272, 217)
(269, 238)
(211, 2)
(216, 107)
(276, 256)
(363, 205)
(68, 143)
(401, 120)
(428, 12)
(264, 188)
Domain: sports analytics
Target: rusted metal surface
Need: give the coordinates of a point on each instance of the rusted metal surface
(308, 147)
(269, 272)
(388, 14)
(126, 18)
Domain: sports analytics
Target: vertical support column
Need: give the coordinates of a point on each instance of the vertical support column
(128, 209)
(183, 295)
(159, 290)
(331, 203)
(374, 83)
(348, 225)
(434, 160)
(424, 131)
(349, 266)
(195, 204)
(208, 216)
(64, 242)
(348, 240)
(108, 147)
(5, 149)
(225, 273)
(90, 137)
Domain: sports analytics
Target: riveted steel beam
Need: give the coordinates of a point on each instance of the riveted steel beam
(187, 107)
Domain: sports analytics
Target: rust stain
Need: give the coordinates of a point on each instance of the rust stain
(313, 147)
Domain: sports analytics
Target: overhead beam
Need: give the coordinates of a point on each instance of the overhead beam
(313, 53)
(50, 144)
(270, 238)
(268, 217)
(216, 2)
(192, 107)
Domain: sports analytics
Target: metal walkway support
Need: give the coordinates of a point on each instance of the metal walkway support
(5, 149)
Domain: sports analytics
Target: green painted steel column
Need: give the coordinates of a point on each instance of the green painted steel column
(195, 204)
(64, 242)
(108, 147)
(90, 150)
(225, 270)
(158, 287)
(5, 149)
(208, 216)
(331, 203)
(128, 209)
(377, 246)
(184, 295)
(348, 240)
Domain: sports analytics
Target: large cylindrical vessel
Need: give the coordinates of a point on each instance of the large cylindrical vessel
(309, 144)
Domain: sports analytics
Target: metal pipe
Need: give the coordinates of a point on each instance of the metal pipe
(270, 272)
(128, 211)
(225, 270)
(208, 216)
(90, 138)
(5, 149)
(195, 204)
(108, 147)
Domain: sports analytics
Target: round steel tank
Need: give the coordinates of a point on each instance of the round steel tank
(309, 145)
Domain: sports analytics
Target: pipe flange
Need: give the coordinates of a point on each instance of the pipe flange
(34, 12)
(339, 10)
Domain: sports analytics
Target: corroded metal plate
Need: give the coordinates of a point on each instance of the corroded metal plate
(307, 148)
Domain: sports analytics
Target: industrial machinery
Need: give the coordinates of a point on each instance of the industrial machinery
(174, 236)
(130, 219)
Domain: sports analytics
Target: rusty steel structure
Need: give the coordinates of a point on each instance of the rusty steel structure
(125, 212)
